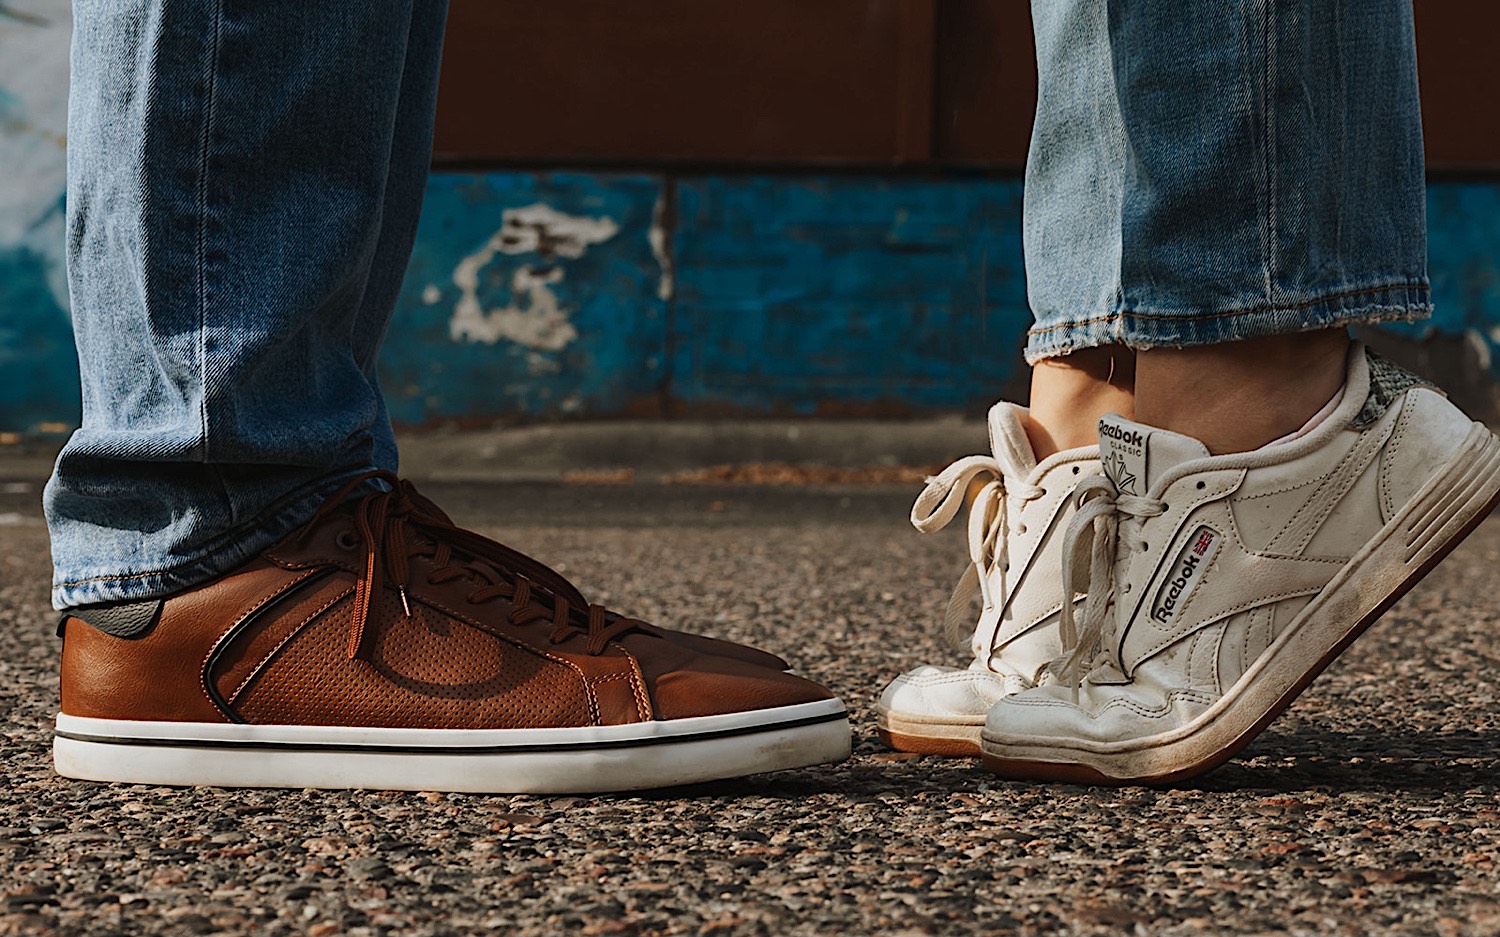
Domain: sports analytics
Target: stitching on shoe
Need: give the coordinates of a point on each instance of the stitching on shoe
(1192, 652)
(1218, 663)
(204, 677)
(1296, 515)
(643, 705)
(974, 692)
(1387, 496)
(1291, 487)
(961, 676)
(1234, 534)
(1215, 676)
(265, 662)
(312, 561)
(1323, 508)
(442, 607)
(1250, 627)
(1247, 606)
(1172, 696)
(595, 716)
(594, 685)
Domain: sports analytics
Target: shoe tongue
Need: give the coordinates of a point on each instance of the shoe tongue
(1136, 455)
(1008, 440)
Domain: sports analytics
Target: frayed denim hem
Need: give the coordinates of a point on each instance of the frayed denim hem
(1141, 329)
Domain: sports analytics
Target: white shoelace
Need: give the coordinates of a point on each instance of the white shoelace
(1094, 537)
(989, 532)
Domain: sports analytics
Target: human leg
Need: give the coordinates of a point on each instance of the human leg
(1278, 489)
(1069, 393)
(1262, 388)
(1005, 610)
(252, 599)
(240, 200)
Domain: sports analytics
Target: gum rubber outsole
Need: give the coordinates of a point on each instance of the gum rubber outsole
(1034, 769)
(946, 747)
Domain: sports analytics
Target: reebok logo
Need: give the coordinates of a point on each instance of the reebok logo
(1127, 437)
(1124, 452)
(1186, 571)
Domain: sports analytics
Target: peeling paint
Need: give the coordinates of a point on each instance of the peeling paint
(534, 318)
(432, 294)
(659, 241)
(585, 336)
(544, 230)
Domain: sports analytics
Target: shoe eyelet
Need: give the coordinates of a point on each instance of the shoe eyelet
(1021, 528)
(346, 540)
(1075, 470)
(1202, 485)
(1126, 590)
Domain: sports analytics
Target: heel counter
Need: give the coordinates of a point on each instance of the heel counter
(67, 677)
(145, 677)
(1430, 430)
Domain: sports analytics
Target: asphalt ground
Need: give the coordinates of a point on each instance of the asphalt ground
(1371, 806)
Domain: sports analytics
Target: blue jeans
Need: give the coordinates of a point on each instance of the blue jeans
(1202, 172)
(244, 180)
(245, 177)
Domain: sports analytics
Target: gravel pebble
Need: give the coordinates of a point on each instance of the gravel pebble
(1371, 806)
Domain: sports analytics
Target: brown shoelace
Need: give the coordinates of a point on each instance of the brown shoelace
(398, 524)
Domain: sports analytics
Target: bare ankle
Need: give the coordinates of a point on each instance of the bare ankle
(1238, 396)
(1070, 393)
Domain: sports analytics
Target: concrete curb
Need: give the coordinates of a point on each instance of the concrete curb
(654, 449)
(657, 449)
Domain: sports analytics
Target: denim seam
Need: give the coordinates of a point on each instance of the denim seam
(201, 240)
(1270, 224)
(1226, 314)
(205, 164)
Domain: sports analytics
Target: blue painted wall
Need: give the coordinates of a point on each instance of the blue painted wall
(545, 295)
(845, 293)
(38, 367)
(1463, 247)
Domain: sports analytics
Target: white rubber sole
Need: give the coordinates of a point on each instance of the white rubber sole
(595, 759)
(1437, 519)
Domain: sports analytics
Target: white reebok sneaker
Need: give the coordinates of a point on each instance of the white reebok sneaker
(1015, 545)
(1220, 586)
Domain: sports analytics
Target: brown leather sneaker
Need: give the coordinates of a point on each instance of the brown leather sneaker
(382, 646)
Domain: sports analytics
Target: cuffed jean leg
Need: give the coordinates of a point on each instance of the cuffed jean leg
(1207, 172)
(244, 183)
